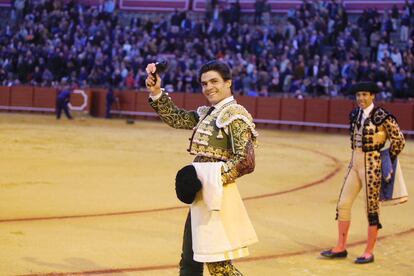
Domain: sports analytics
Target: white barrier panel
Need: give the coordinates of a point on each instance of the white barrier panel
(82, 107)
(26, 108)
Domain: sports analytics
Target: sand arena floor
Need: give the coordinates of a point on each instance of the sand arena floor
(96, 197)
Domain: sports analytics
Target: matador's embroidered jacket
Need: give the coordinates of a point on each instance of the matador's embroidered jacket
(379, 127)
(227, 134)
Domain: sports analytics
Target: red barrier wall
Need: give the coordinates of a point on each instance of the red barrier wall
(178, 99)
(403, 112)
(21, 96)
(250, 103)
(4, 95)
(44, 97)
(193, 101)
(141, 102)
(333, 111)
(268, 108)
(339, 111)
(292, 110)
(316, 110)
(98, 101)
(126, 100)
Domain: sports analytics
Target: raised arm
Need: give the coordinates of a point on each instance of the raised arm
(164, 106)
(172, 115)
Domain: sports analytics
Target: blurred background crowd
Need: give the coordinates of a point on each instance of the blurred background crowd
(315, 50)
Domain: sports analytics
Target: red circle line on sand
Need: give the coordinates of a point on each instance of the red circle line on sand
(248, 259)
(307, 185)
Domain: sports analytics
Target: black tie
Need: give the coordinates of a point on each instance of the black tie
(359, 119)
(210, 110)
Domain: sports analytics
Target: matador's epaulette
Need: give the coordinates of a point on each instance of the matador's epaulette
(234, 112)
(202, 111)
(379, 115)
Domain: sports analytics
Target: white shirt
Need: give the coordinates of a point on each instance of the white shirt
(366, 112)
(220, 104)
(358, 131)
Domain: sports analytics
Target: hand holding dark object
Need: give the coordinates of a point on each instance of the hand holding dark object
(187, 184)
(160, 67)
(153, 81)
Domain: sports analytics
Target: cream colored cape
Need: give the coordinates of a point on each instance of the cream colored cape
(222, 229)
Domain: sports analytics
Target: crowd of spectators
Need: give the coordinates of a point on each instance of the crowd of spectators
(316, 50)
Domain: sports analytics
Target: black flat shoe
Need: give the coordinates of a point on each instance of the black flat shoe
(333, 255)
(363, 260)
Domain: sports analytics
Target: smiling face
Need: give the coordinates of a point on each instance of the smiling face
(364, 99)
(214, 87)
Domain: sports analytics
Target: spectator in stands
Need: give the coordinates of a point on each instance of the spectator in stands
(396, 57)
(19, 6)
(382, 50)
(90, 44)
(259, 8)
(405, 27)
(409, 89)
(383, 94)
(267, 10)
(399, 79)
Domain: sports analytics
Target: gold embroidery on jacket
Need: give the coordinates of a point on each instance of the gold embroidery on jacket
(172, 115)
(226, 135)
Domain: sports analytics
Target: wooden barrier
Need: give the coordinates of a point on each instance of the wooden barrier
(268, 108)
(178, 98)
(193, 101)
(339, 110)
(249, 103)
(98, 101)
(143, 109)
(21, 96)
(292, 110)
(4, 97)
(316, 114)
(316, 111)
(268, 112)
(403, 112)
(141, 103)
(45, 97)
(126, 100)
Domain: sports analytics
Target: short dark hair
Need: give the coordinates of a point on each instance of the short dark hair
(220, 67)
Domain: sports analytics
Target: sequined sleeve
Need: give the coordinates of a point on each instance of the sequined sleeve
(397, 141)
(243, 160)
(172, 115)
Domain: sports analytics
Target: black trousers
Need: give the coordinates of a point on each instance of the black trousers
(62, 105)
(189, 267)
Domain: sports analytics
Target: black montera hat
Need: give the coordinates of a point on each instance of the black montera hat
(365, 86)
(187, 184)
